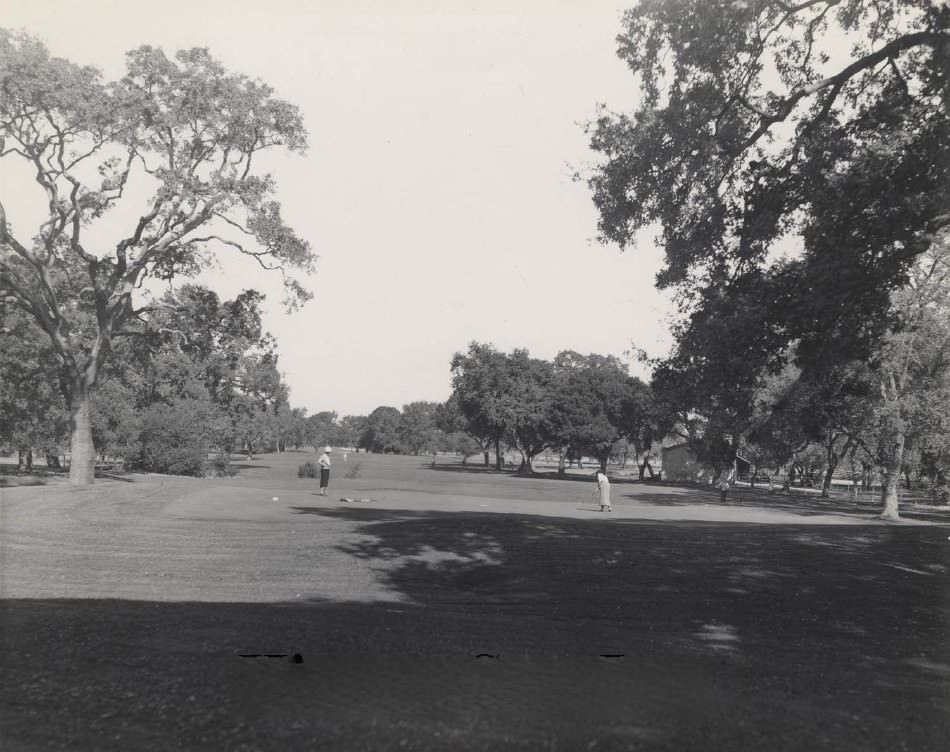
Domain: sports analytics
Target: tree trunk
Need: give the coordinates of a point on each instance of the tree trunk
(826, 483)
(889, 497)
(832, 463)
(82, 464)
(603, 464)
(498, 465)
(52, 460)
(561, 465)
(891, 482)
(487, 460)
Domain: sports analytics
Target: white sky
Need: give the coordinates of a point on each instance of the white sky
(437, 189)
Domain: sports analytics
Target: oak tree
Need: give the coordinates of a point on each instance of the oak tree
(185, 132)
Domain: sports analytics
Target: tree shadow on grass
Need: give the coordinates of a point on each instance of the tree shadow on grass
(123, 477)
(771, 582)
(586, 476)
(801, 504)
(655, 635)
(459, 468)
(772, 588)
(7, 481)
(12, 475)
(247, 466)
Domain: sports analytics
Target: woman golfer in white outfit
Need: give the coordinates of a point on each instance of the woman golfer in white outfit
(603, 486)
(324, 463)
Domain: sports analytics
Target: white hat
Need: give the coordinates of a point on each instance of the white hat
(327, 449)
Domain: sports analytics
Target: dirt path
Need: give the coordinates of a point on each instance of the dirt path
(462, 611)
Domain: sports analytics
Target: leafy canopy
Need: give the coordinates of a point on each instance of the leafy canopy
(184, 132)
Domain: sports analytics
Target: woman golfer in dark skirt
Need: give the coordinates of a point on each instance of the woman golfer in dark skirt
(324, 463)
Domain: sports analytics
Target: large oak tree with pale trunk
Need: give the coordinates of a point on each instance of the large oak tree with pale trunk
(182, 134)
(796, 158)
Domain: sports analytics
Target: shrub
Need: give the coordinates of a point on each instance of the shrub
(308, 470)
(174, 438)
(220, 467)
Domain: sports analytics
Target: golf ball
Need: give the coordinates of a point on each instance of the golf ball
(275, 499)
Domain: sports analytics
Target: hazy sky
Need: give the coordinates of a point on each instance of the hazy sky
(437, 191)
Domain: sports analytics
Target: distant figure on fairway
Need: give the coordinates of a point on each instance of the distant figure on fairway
(724, 486)
(603, 487)
(324, 463)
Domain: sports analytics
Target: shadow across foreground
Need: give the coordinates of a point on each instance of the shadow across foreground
(628, 634)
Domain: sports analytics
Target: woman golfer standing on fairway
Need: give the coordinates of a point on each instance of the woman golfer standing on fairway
(603, 487)
(324, 463)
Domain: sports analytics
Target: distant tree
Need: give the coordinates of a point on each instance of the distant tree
(775, 434)
(296, 429)
(452, 422)
(417, 426)
(588, 396)
(643, 422)
(350, 429)
(463, 444)
(530, 422)
(32, 409)
(912, 371)
(483, 384)
(381, 432)
(322, 428)
(448, 416)
(187, 130)
(116, 420)
(256, 426)
(829, 407)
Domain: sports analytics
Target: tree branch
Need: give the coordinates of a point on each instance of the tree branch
(837, 81)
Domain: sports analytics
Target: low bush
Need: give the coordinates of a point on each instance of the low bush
(220, 467)
(174, 440)
(308, 470)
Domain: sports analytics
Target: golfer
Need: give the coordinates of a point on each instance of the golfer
(324, 463)
(724, 486)
(603, 486)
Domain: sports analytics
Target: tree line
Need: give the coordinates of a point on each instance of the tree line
(576, 406)
(195, 375)
(799, 187)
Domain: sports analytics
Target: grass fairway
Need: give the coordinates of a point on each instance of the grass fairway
(462, 609)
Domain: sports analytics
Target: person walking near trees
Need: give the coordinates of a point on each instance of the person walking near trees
(324, 463)
(603, 488)
(724, 484)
